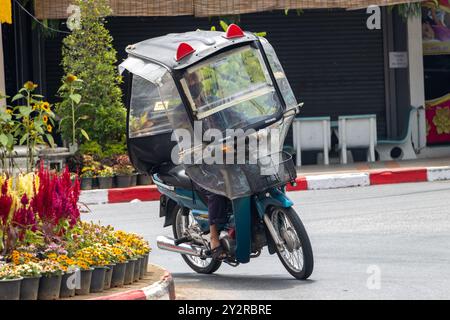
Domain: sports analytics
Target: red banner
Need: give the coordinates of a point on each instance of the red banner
(438, 120)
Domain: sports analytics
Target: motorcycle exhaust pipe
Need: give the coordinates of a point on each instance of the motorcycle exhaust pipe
(166, 243)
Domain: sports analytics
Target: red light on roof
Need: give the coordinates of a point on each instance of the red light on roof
(233, 31)
(183, 50)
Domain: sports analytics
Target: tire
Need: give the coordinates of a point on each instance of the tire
(210, 267)
(305, 244)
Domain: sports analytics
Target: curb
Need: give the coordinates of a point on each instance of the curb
(164, 289)
(311, 182)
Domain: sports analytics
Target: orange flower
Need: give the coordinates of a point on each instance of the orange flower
(45, 119)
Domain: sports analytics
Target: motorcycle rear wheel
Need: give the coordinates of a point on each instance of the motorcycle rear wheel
(206, 266)
(297, 256)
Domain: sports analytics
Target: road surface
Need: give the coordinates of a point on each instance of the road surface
(378, 242)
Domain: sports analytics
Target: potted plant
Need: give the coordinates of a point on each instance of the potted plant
(123, 175)
(83, 262)
(50, 282)
(123, 170)
(144, 179)
(118, 272)
(105, 177)
(31, 273)
(10, 281)
(68, 281)
(100, 261)
(87, 177)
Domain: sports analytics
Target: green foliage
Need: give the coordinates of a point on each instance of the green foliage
(113, 149)
(88, 53)
(69, 111)
(407, 10)
(92, 148)
(31, 123)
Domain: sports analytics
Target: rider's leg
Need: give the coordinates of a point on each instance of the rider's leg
(217, 215)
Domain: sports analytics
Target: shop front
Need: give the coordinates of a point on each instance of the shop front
(436, 50)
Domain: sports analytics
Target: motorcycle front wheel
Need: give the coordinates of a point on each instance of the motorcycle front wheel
(182, 226)
(296, 252)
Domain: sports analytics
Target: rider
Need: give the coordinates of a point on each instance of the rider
(217, 204)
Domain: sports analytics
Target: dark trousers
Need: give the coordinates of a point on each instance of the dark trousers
(217, 206)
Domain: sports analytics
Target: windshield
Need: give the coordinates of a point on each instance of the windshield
(231, 90)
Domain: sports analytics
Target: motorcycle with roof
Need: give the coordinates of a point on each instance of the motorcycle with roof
(212, 109)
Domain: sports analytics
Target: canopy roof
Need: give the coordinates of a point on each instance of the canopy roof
(163, 49)
(57, 9)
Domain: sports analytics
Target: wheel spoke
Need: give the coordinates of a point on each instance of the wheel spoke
(293, 258)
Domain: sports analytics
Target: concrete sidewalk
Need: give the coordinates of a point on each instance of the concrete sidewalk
(359, 167)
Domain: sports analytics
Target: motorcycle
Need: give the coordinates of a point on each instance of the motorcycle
(200, 96)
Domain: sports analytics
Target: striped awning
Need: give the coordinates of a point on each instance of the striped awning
(57, 9)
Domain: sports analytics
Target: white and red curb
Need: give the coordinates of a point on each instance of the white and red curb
(164, 289)
(309, 182)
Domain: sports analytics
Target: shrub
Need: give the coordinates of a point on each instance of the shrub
(88, 53)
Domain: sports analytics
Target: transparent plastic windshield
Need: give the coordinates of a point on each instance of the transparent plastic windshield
(280, 76)
(231, 90)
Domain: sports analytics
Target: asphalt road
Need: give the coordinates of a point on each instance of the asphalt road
(378, 242)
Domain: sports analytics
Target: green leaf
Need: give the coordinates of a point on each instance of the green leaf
(17, 97)
(24, 137)
(25, 111)
(224, 25)
(50, 140)
(75, 98)
(84, 133)
(3, 140)
(286, 11)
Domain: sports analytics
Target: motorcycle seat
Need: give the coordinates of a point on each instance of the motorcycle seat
(175, 176)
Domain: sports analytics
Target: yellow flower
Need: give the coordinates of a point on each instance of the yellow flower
(71, 78)
(30, 86)
(45, 106)
(9, 111)
(49, 128)
(45, 119)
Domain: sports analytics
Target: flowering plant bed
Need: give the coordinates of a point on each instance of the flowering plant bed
(42, 236)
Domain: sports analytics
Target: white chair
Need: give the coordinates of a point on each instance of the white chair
(357, 131)
(312, 134)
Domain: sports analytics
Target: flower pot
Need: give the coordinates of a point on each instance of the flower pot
(129, 272)
(73, 148)
(86, 183)
(144, 261)
(49, 287)
(144, 180)
(29, 288)
(133, 182)
(118, 275)
(68, 285)
(105, 182)
(98, 279)
(137, 269)
(95, 183)
(10, 289)
(123, 181)
(108, 276)
(85, 282)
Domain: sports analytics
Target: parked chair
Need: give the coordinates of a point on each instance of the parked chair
(312, 134)
(386, 148)
(357, 131)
